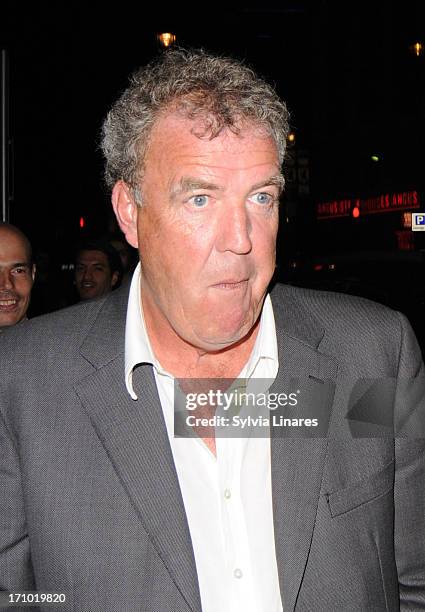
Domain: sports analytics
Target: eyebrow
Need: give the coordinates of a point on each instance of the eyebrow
(277, 181)
(20, 264)
(15, 264)
(96, 262)
(187, 184)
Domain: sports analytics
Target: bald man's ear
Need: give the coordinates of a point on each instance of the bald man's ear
(33, 270)
(125, 209)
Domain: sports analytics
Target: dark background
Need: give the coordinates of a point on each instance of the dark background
(345, 69)
(353, 86)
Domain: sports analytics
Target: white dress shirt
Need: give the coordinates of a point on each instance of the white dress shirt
(227, 498)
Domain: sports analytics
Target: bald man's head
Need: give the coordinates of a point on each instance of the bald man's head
(17, 273)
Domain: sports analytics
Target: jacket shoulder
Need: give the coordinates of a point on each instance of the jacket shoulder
(330, 308)
(63, 332)
(359, 332)
(54, 328)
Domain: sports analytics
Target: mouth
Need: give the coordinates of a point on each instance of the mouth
(231, 284)
(8, 305)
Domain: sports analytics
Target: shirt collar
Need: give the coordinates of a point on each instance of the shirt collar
(265, 346)
(138, 348)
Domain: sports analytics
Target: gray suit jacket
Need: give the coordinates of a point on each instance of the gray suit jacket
(90, 502)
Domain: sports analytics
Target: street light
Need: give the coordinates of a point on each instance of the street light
(166, 39)
(417, 49)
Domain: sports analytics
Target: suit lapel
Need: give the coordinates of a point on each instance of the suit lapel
(136, 441)
(297, 462)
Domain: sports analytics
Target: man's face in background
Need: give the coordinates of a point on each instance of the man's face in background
(16, 277)
(93, 274)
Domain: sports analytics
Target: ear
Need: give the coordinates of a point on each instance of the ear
(125, 209)
(114, 279)
(33, 269)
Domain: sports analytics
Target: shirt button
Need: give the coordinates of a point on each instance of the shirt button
(238, 573)
(227, 493)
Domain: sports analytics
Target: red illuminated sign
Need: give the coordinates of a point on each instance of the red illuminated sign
(387, 202)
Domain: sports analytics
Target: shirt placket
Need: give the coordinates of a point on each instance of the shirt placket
(238, 562)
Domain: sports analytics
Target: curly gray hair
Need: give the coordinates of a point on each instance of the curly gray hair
(222, 92)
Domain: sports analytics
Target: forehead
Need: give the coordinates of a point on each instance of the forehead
(13, 248)
(92, 257)
(177, 141)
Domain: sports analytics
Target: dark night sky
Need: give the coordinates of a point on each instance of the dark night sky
(344, 68)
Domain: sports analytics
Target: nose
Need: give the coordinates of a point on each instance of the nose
(5, 280)
(235, 230)
(87, 274)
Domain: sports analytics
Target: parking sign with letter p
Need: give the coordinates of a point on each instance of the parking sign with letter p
(418, 222)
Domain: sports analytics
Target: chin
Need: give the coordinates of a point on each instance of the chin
(224, 337)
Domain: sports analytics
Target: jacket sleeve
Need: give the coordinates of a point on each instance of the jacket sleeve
(15, 563)
(409, 488)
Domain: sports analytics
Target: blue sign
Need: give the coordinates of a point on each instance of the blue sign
(418, 222)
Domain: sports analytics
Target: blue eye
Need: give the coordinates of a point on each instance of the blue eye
(199, 201)
(263, 198)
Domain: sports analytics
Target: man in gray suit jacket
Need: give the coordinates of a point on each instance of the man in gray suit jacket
(101, 502)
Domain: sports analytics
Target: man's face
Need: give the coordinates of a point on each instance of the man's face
(16, 278)
(207, 230)
(93, 276)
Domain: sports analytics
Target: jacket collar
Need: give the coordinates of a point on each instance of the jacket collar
(105, 339)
